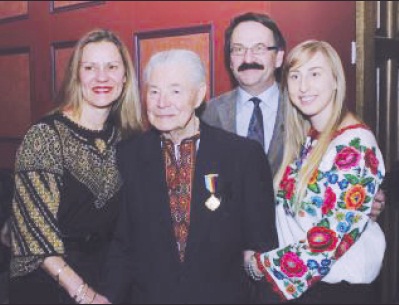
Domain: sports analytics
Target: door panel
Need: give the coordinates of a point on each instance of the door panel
(377, 103)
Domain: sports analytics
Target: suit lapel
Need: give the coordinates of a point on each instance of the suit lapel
(200, 215)
(156, 192)
(276, 147)
(227, 111)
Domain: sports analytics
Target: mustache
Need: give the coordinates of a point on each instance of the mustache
(250, 66)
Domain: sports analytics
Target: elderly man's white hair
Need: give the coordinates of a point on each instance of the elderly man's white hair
(183, 57)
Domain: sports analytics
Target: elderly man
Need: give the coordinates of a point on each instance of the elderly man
(195, 197)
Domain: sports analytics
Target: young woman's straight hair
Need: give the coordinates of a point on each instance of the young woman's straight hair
(297, 126)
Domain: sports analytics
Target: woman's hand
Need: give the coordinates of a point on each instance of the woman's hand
(251, 267)
(100, 299)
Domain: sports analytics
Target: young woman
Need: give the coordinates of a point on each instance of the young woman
(67, 181)
(332, 167)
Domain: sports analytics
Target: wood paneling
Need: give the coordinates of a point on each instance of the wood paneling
(12, 10)
(197, 39)
(15, 93)
(59, 6)
(60, 53)
(378, 84)
(43, 28)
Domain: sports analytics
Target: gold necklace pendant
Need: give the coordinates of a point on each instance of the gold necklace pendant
(100, 145)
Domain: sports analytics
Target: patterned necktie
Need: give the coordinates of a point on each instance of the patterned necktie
(255, 129)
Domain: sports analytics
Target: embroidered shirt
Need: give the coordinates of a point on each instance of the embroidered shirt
(66, 181)
(331, 236)
(179, 168)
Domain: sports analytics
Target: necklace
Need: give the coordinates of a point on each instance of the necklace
(100, 145)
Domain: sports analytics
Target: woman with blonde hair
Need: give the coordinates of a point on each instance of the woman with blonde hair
(67, 181)
(329, 250)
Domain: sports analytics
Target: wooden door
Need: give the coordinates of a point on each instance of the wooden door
(377, 36)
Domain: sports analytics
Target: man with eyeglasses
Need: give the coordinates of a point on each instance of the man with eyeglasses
(254, 51)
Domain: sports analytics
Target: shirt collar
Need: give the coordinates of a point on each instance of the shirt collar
(268, 97)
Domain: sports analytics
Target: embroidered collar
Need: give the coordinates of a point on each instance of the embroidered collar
(314, 134)
(177, 147)
(194, 138)
(349, 127)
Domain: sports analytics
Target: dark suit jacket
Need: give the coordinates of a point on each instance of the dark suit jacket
(144, 252)
(221, 112)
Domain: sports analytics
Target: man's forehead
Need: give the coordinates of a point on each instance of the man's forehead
(170, 67)
(170, 73)
(251, 31)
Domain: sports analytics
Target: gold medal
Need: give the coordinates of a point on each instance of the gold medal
(212, 203)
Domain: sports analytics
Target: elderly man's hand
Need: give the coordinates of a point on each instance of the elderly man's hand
(378, 205)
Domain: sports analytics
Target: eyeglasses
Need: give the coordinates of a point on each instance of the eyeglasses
(258, 49)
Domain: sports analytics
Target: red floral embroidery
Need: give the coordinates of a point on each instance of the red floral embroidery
(179, 177)
(355, 197)
(292, 265)
(287, 184)
(346, 242)
(275, 287)
(354, 126)
(321, 239)
(348, 157)
(267, 263)
(329, 201)
(287, 173)
(311, 281)
(371, 161)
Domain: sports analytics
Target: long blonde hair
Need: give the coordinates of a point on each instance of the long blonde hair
(126, 112)
(297, 125)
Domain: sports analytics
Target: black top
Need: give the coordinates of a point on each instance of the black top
(66, 197)
(6, 191)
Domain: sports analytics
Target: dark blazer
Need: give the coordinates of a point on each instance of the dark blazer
(144, 253)
(221, 112)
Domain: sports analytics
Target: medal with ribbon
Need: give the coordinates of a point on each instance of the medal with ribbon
(212, 202)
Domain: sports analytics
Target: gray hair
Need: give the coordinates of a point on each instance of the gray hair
(183, 57)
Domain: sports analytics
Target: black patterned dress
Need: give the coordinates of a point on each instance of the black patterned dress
(65, 204)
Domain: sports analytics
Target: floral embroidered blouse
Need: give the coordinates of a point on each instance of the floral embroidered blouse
(330, 237)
